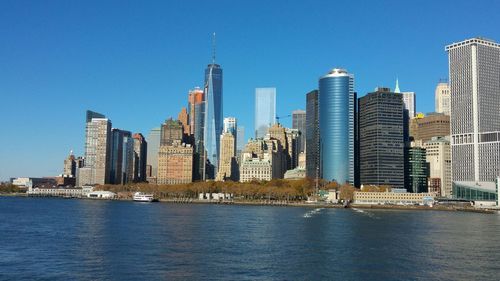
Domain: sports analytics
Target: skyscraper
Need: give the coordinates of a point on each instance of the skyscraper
(97, 148)
(299, 123)
(70, 165)
(443, 98)
(231, 126)
(153, 148)
(265, 110)
(336, 126)
(381, 138)
(227, 165)
(417, 171)
(312, 135)
(122, 157)
(439, 157)
(474, 66)
(140, 157)
(213, 113)
(196, 108)
(408, 100)
(183, 116)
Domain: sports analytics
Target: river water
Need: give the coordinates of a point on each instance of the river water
(70, 239)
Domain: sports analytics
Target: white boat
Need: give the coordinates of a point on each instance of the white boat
(143, 197)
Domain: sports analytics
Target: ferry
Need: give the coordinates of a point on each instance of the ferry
(143, 197)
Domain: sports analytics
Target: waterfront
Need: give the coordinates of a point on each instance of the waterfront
(50, 238)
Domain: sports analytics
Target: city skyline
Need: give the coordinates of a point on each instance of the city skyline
(55, 91)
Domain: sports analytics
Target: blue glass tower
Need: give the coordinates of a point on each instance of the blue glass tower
(213, 115)
(336, 126)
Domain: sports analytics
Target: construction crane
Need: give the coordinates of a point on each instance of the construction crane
(282, 117)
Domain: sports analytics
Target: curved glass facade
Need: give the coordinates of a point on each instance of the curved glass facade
(336, 126)
(213, 114)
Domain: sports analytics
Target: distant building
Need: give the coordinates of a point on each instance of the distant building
(312, 135)
(443, 98)
(153, 141)
(140, 157)
(70, 165)
(183, 117)
(196, 108)
(175, 163)
(295, 174)
(397, 198)
(122, 157)
(263, 159)
(231, 126)
(336, 126)
(438, 154)
(299, 123)
(474, 66)
(240, 140)
(228, 168)
(302, 160)
(98, 147)
(381, 138)
(293, 147)
(265, 110)
(425, 128)
(417, 172)
(171, 130)
(213, 116)
(31, 183)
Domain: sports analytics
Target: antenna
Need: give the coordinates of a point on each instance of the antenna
(213, 48)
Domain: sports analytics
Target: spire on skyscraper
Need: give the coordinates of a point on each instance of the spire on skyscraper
(213, 48)
(396, 90)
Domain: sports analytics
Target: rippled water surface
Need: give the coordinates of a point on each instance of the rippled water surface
(66, 239)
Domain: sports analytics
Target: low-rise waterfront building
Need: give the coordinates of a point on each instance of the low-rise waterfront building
(396, 198)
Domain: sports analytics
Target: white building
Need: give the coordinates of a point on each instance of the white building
(439, 157)
(474, 66)
(408, 100)
(396, 198)
(443, 98)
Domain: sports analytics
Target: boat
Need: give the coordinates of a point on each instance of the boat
(143, 197)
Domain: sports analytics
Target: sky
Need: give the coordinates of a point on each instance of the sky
(135, 61)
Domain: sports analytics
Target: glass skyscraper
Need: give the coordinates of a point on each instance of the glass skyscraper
(336, 126)
(213, 115)
(312, 135)
(265, 110)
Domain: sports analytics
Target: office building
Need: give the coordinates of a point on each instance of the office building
(122, 157)
(240, 139)
(443, 98)
(97, 148)
(175, 163)
(140, 157)
(381, 139)
(263, 159)
(417, 170)
(152, 154)
(175, 158)
(70, 165)
(183, 117)
(336, 126)
(227, 166)
(312, 135)
(474, 66)
(231, 126)
(196, 108)
(265, 110)
(299, 123)
(293, 147)
(438, 154)
(213, 115)
(424, 128)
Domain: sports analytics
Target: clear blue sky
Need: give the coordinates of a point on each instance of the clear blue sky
(136, 60)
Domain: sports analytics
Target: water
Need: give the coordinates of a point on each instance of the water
(62, 239)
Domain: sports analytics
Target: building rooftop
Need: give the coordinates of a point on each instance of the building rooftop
(473, 41)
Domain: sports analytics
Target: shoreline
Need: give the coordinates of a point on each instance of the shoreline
(291, 204)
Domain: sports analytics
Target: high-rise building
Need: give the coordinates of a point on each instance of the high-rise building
(293, 147)
(231, 126)
(175, 158)
(240, 138)
(408, 100)
(381, 138)
(196, 108)
(97, 148)
(417, 170)
(474, 66)
(213, 114)
(122, 157)
(336, 126)
(312, 135)
(183, 117)
(265, 110)
(70, 165)
(423, 128)
(140, 157)
(299, 123)
(438, 154)
(443, 98)
(175, 163)
(227, 165)
(263, 159)
(152, 155)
